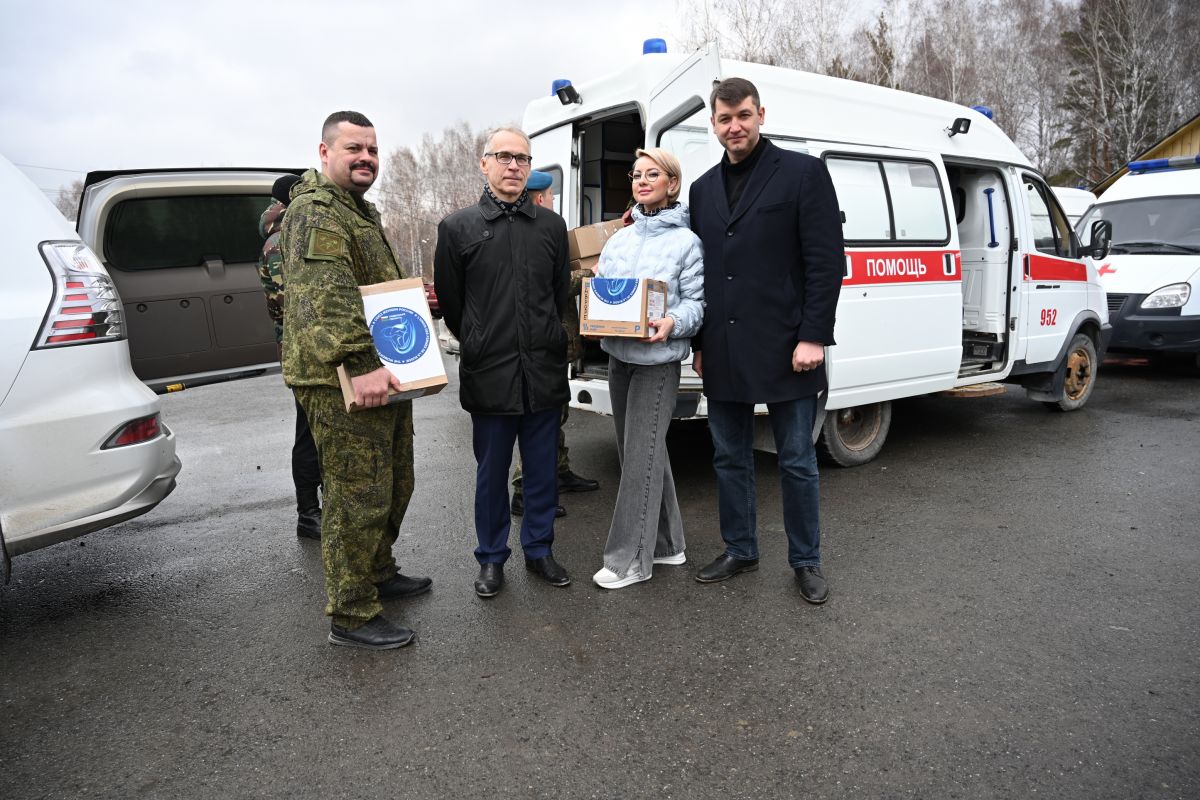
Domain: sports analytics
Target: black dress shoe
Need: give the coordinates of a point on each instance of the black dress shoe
(491, 578)
(570, 482)
(308, 524)
(378, 634)
(725, 567)
(812, 585)
(518, 506)
(403, 586)
(548, 570)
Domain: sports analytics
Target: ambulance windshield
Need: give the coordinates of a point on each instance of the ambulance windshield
(1159, 225)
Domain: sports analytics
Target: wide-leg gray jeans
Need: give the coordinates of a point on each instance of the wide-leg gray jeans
(646, 521)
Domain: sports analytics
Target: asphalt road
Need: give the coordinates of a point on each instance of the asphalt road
(1014, 614)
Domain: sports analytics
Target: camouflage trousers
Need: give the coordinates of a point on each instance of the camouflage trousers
(367, 472)
(564, 464)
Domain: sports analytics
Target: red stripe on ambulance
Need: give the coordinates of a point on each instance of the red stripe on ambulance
(1048, 268)
(865, 267)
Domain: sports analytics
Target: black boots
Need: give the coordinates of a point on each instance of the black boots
(308, 513)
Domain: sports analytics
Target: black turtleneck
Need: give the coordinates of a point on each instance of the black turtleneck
(737, 175)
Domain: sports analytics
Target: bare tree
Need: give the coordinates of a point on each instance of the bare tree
(810, 35)
(67, 198)
(420, 187)
(1080, 85)
(1125, 87)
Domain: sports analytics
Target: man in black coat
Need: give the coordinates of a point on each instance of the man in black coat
(502, 280)
(773, 264)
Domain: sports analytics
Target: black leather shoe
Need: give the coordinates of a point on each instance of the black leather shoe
(570, 482)
(813, 587)
(548, 570)
(308, 524)
(403, 586)
(725, 567)
(491, 578)
(518, 506)
(378, 634)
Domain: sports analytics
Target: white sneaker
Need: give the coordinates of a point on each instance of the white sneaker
(607, 579)
(674, 561)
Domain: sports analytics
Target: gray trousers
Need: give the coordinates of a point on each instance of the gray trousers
(646, 521)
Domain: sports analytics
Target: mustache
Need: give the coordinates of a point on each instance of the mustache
(363, 165)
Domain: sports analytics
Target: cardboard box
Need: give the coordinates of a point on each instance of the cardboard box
(589, 240)
(405, 339)
(621, 306)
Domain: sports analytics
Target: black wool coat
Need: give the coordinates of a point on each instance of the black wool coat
(773, 269)
(503, 284)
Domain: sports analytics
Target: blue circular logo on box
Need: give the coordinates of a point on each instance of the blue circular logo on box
(400, 335)
(614, 291)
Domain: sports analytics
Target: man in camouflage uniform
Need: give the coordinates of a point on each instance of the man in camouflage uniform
(306, 469)
(332, 242)
(541, 192)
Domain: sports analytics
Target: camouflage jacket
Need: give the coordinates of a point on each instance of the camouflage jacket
(271, 262)
(332, 243)
(571, 317)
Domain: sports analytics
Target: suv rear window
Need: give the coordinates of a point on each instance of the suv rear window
(161, 232)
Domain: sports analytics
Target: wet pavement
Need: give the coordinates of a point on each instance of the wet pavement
(1014, 614)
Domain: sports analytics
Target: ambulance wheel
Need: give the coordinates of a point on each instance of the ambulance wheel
(854, 436)
(1079, 374)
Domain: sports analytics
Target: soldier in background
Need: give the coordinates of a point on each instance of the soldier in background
(306, 468)
(541, 192)
(332, 243)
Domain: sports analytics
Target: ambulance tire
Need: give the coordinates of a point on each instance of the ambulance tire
(1077, 375)
(854, 436)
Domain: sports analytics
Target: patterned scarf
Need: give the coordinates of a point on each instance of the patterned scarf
(655, 212)
(507, 208)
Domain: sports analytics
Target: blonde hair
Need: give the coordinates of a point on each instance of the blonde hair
(669, 164)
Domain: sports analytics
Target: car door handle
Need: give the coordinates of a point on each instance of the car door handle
(214, 266)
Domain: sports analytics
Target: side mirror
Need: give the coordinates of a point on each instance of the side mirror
(1102, 232)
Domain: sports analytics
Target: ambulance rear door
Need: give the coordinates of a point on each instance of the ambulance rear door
(552, 152)
(677, 115)
(899, 318)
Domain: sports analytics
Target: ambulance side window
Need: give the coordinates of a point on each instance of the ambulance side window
(863, 199)
(889, 200)
(916, 201)
(1051, 230)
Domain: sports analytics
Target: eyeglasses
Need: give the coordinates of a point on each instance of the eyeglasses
(505, 157)
(651, 175)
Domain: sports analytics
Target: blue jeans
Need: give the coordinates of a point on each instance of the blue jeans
(732, 428)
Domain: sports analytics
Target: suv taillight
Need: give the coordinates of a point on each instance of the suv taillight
(139, 430)
(85, 307)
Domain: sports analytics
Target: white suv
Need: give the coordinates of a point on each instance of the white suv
(82, 446)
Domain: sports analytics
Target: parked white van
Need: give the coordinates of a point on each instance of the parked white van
(1152, 272)
(961, 267)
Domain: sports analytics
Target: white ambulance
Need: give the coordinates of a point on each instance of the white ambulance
(1075, 202)
(1152, 272)
(961, 267)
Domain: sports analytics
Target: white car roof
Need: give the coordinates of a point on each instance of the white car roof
(1153, 184)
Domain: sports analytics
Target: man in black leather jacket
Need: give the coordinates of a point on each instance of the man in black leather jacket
(502, 280)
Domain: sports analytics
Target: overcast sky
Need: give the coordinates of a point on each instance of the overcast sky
(147, 83)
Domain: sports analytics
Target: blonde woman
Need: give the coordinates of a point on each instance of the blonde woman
(644, 373)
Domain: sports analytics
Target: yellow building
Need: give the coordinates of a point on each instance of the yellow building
(1183, 141)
